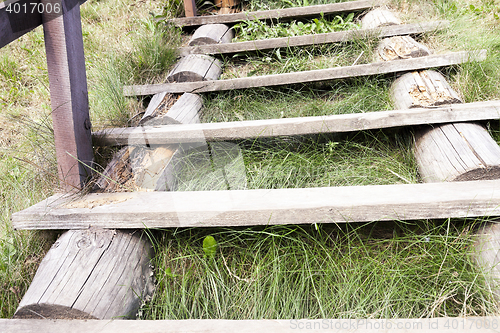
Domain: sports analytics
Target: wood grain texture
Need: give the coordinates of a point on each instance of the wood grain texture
(186, 110)
(296, 12)
(422, 89)
(400, 47)
(309, 76)
(195, 67)
(69, 98)
(264, 207)
(487, 254)
(429, 325)
(190, 9)
(212, 34)
(457, 152)
(378, 18)
(92, 273)
(297, 126)
(326, 38)
(14, 25)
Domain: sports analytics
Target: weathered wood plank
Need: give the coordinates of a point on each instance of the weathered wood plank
(310, 76)
(68, 95)
(427, 325)
(190, 9)
(297, 126)
(14, 25)
(296, 12)
(263, 207)
(326, 38)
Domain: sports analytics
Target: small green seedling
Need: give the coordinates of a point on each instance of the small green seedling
(209, 247)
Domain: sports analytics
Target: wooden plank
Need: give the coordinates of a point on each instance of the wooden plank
(14, 25)
(296, 126)
(310, 76)
(297, 12)
(264, 206)
(190, 8)
(427, 325)
(69, 98)
(332, 37)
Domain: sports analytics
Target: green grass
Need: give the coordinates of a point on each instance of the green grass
(365, 158)
(122, 46)
(396, 270)
(340, 97)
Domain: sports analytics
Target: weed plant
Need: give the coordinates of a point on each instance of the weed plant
(394, 270)
(295, 59)
(278, 4)
(253, 30)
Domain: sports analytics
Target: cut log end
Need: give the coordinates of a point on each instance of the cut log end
(45, 311)
(487, 173)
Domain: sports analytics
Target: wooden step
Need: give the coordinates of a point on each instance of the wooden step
(288, 13)
(426, 325)
(326, 38)
(394, 66)
(249, 129)
(264, 207)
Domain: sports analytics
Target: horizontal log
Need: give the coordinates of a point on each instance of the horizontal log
(91, 274)
(310, 76)
(422, 89)
(297, 12)
(296, 126)
(196, 67)
(332, 37)
(14, 25)
(212, 34)
(264, 206)
(456, 152)
(379, 17)
(427, 325)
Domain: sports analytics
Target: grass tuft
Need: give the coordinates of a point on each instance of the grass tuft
(400, 270)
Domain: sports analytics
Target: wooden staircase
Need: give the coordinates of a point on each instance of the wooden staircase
(98, 242)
